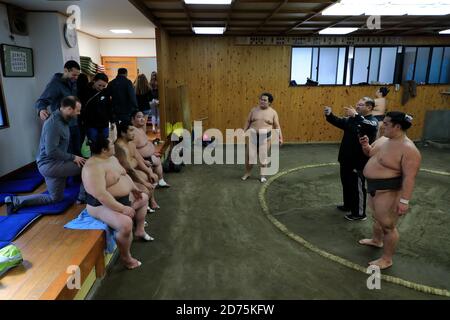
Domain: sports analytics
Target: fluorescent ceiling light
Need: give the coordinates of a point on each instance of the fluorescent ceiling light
(207, 1)
(208, 30)
(337, 30)
(120, 31)
(445, 31)
(388, 8)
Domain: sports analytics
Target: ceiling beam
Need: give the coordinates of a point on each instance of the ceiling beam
(157, 11)
(337, 22)
(187, 12)
(310, 17)
(230, 11)
(274, 12)
(431, 27)
(393, 27)
(140, 5)
(291, 1)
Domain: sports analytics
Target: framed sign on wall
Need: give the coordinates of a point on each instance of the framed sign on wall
(16, 61)
(3, 115)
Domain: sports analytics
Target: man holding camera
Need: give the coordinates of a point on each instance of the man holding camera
(358, 122)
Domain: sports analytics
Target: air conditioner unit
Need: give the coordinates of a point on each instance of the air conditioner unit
(17, 18)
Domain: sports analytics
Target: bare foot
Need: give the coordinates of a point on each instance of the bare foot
(382, 263)
(131, 263)
(370, 242)
(154, 205)
(245, 177)
(144, 236)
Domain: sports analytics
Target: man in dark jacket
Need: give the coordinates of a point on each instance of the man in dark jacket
(59, 87)
(359, 122)
(123, 96)
(96, 110)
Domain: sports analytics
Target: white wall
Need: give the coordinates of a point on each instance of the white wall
(39, 26)
(95, 48)
(128, 47)
(89, 47)
(19, 143)
(146, 65)
(50, 49)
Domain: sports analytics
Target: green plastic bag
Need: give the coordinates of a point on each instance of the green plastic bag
(85, 150)
(10, 256)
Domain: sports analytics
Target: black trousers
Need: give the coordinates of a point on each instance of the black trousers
(354, 189)
(75, 141)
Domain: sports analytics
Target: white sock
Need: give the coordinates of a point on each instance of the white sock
(162, 182)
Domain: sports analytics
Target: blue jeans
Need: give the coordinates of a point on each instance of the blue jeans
(154, 113)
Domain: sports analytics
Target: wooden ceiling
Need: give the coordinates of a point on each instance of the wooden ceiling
(277, 18)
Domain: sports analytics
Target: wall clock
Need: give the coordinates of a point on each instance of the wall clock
(70, 35)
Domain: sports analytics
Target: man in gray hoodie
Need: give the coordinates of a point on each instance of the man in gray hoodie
(54, 162)
(60, 86)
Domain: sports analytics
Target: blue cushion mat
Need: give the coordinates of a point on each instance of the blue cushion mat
(70, 196)
(11, 226)
(21, 185)
(4, 244)
(34, 172)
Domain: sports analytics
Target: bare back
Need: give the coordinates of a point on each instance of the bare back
(380, 107)
(129, 150)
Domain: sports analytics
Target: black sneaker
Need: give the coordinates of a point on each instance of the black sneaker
(10, 208)
(355, 218)
(343, 208)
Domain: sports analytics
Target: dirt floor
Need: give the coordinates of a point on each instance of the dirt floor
(213, 240)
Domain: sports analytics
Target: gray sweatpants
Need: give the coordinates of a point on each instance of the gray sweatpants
(55, 175)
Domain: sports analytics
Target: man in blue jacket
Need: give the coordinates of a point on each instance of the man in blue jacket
(358, 122)
(54, 162)
(123, 96)
(60, 86)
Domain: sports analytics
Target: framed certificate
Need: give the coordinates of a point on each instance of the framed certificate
(3, 115)
(16, 61)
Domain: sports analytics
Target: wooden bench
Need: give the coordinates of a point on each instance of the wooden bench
(48, 250)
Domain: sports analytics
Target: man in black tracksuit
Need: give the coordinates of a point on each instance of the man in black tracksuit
(123, 96)
(352, 160)
(96, 110)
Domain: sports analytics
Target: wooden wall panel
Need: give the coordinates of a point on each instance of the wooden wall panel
(224, 82)
(164, 75)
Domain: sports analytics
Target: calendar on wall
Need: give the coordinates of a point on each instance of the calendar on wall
(17, 61)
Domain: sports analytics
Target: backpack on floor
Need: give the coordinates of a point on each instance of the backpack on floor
(10, 256)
